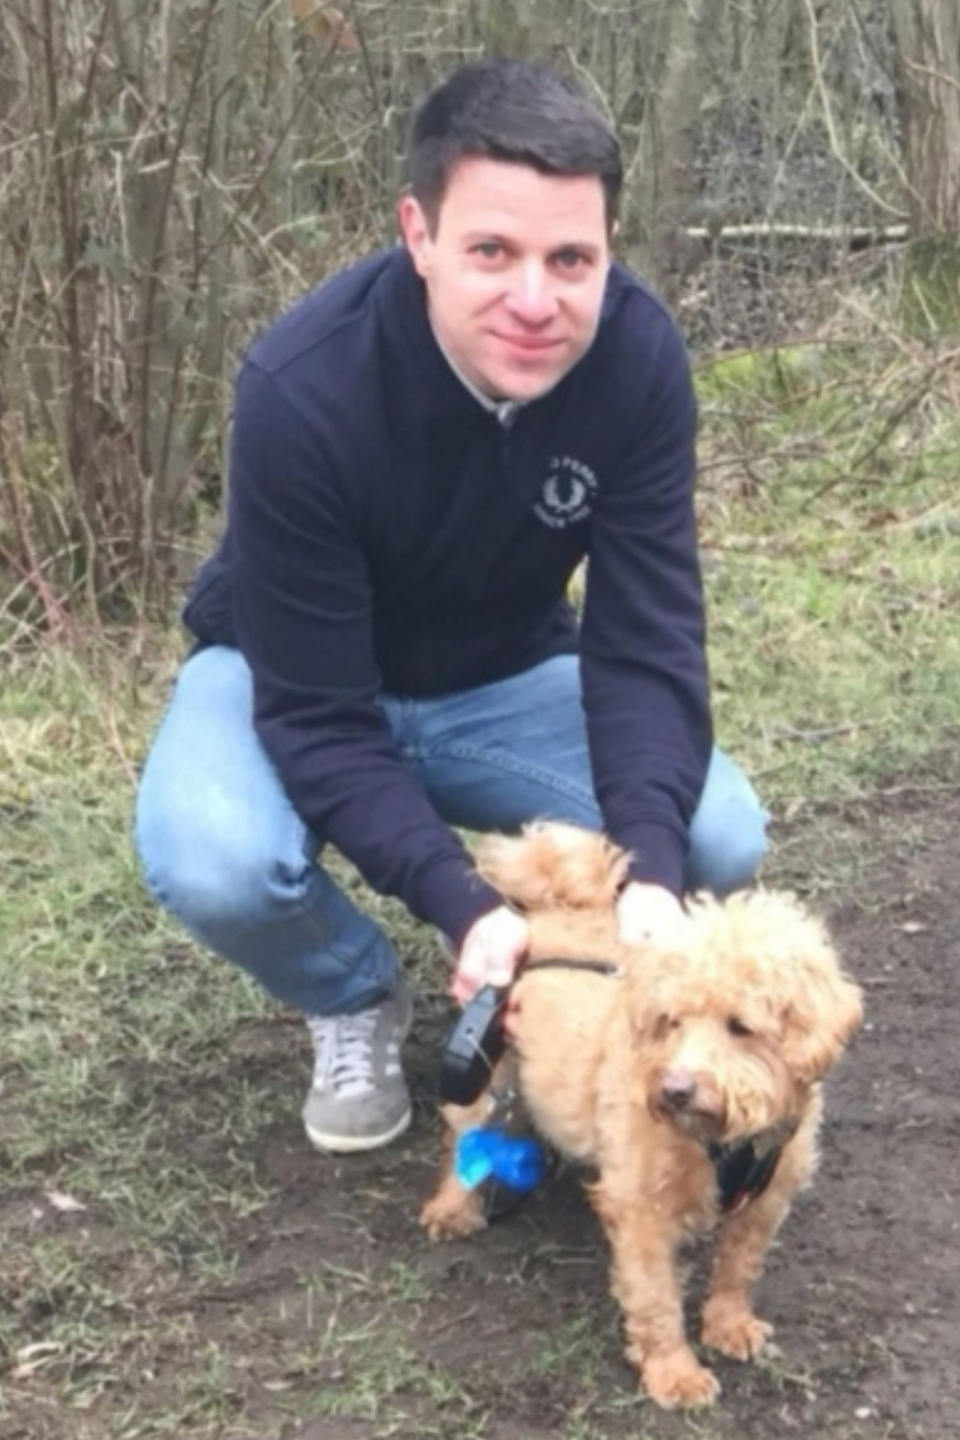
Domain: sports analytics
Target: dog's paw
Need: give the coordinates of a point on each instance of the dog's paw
(734, 1332)
(447, 1217)
(678, 1381)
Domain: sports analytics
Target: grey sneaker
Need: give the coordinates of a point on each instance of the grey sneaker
(359, 1098)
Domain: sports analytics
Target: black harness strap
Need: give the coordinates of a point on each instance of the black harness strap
(742, 1174)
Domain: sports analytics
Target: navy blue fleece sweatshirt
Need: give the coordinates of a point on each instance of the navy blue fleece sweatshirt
(388, 533)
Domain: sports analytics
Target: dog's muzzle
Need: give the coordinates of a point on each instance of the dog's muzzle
(678, 1089)
(688, 1101)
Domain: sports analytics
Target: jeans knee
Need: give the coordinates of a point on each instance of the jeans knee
(728, 837)
(217, 877)
(725, 855)
(743, 857)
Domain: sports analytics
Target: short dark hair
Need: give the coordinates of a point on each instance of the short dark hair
(514, 110)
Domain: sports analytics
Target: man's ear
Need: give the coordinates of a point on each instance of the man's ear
(415, 232)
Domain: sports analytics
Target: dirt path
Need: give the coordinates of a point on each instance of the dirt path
(339, 1322)
(865, 1281)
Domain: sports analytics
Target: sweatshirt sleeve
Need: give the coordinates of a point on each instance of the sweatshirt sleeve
(303, 611)
(643, 642)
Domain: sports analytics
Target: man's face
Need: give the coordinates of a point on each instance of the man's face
(514, 271)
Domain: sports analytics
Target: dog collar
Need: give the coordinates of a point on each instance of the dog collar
(599, 967)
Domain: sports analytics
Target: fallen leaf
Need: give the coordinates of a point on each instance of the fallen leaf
(66, 1204)
(39, 1347)
(32, 1358)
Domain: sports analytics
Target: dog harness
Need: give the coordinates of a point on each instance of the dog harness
(743, 1171)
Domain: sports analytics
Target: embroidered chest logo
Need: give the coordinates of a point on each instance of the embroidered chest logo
(567, 494)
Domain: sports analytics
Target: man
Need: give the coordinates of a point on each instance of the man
(423, 451)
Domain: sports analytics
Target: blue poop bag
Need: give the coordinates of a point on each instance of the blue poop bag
(483, 1154)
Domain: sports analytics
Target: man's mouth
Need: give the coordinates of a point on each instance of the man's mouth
(529, 344)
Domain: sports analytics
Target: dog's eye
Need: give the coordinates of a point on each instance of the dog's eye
(736, 1026)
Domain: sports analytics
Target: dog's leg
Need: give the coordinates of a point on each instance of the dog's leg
(729, 1323)
(452, 1210)
(645, 1282)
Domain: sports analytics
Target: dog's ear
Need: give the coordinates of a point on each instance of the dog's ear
(821, 1006)
(552, 865)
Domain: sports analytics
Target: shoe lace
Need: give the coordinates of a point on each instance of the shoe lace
(344, 1051)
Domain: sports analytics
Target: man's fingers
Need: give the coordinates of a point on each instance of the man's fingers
(475, 971)
(465, 984)
(490, 953)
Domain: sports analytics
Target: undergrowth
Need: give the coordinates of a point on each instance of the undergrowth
(140, 1075)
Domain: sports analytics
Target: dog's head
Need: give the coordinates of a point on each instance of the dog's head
(735, 1024)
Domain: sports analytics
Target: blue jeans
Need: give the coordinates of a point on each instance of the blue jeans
(224, 850)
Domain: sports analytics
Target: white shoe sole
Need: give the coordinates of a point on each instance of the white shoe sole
(350, 1144)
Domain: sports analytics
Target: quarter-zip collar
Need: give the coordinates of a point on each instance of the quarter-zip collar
(505, 410)
(406, 326)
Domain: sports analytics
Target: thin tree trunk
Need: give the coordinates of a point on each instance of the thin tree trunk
(661, 188)
(927, 36)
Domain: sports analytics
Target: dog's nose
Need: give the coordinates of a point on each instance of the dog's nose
(677, 1089)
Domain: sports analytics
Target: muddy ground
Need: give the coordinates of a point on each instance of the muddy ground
(338, 1321)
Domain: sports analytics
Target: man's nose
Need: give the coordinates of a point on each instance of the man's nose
(531, 297)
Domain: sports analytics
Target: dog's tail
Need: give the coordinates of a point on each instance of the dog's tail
(554, 866)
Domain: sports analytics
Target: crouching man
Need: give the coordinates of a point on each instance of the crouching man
(423, 450)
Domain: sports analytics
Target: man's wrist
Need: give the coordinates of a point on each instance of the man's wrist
(453, 897)
(657, 855)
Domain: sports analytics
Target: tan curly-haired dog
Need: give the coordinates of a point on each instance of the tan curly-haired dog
(717, 1039)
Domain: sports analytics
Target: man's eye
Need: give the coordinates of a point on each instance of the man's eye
(488, 249)
(570, 259)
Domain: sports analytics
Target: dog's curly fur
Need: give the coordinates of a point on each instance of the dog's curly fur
(723, 1035)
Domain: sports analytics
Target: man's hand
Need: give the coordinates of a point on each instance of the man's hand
(648, 914)
(493, 948)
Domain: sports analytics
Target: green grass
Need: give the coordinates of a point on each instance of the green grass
(141, 1078)
(832, 556)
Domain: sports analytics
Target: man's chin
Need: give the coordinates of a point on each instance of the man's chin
(522, 387)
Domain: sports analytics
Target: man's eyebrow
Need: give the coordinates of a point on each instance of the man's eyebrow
(586, 247)
(474, 237)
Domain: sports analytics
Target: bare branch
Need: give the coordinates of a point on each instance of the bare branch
(829, 121)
